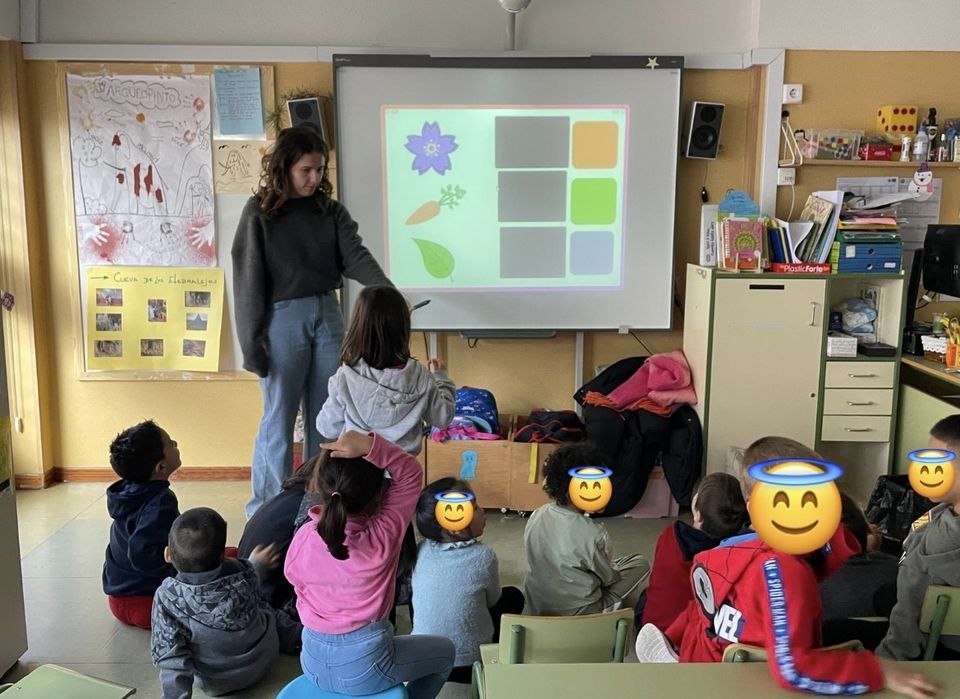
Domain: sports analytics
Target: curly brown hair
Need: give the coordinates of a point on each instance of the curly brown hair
(275, 186)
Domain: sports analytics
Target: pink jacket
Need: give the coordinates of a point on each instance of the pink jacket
(342, 596)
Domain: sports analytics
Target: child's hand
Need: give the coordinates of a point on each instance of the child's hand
(351, 445)
(912, 684)
(265, 556)
(436, 365)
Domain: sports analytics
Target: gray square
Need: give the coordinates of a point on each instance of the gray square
(532, 196)
(591, 252)
(533, 253)
(533, 141)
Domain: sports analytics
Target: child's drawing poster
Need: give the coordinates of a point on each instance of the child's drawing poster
(236, 165)
(142, 178)
(153, 318)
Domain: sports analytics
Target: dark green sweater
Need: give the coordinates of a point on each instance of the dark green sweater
(301, 251)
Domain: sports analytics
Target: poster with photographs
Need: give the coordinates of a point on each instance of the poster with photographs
(153, 318)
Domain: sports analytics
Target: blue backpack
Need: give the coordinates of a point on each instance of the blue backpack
(480, 407)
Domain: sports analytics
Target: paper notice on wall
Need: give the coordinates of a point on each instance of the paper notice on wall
(913, 216)
(236, 165)
(142, 178)
(239, 102)
(154, 318)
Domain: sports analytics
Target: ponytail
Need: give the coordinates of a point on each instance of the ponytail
(332, 526)
(346, 487)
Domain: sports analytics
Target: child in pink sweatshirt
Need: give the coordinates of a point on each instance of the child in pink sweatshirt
(342, 564)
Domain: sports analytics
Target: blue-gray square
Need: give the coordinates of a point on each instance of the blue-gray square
(531, 196)
(591, 252)
(525, 142)
(533, 253)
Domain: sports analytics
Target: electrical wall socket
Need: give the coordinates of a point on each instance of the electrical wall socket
(786, 176)
(792, 94)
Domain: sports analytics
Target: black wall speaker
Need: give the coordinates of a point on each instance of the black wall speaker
(703, 132)
(307, 112)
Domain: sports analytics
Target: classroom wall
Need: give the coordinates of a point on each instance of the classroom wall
(680, 26)
(215, 421)
(858, 25)
(10, 19)
(926, 79)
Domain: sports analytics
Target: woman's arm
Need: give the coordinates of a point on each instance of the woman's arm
(250, 288)
(355, 260)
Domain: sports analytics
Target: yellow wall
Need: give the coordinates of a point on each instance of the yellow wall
(842, 89)
(215, 420)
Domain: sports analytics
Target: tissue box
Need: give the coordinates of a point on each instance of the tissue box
(876, 151)
(841, 345)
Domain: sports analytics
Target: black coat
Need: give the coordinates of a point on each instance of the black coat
(635, 441)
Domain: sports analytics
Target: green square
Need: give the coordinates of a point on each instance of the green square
(593, 200)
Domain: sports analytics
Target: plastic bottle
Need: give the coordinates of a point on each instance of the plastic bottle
(921, 145)
(942, 150)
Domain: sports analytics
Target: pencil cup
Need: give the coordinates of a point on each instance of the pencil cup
(953, 355)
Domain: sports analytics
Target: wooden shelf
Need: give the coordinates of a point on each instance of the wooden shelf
(875, 163)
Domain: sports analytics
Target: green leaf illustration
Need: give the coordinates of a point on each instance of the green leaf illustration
(437, 260)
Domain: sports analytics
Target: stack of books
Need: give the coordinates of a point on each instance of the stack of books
(867, 241)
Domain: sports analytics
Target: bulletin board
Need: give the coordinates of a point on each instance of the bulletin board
(159, 305)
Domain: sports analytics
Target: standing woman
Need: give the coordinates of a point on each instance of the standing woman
(294, 244)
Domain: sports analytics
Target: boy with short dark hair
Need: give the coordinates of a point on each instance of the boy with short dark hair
(719, 512)
(572, 568)
(210, 622)
(931, 556)
(143, 508)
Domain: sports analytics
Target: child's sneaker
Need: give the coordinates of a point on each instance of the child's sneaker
(653, 646)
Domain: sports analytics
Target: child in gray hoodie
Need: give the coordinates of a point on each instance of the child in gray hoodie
(210, 622)
(931, 556)
(379, 387)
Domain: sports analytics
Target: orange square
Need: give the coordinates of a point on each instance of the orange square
(595, 144)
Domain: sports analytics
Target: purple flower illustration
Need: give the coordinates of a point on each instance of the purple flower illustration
(431, 149)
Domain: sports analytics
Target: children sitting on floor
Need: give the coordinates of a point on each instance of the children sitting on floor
(456, 581)
(143, 508)
(748, 592)
(572, 568)
(931, 556)
(210, 622)
(719, 511)
(342, 564)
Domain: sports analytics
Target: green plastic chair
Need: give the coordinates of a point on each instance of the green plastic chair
(54, 681)
(745, 653)
(591, 638)
(939, 616)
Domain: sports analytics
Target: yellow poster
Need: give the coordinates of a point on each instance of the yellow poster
(154, 318)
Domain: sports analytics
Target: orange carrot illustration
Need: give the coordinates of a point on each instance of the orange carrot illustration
(450, 197)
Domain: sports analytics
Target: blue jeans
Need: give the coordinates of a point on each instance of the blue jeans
(303, 351)
(371, 659)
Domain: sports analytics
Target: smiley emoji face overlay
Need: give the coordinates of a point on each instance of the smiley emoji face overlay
(590, 487)
(454, 509)
(795, 505)
(932, 472)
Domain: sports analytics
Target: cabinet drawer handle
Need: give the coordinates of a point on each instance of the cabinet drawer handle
(858, 403)
(858, 429)
(813, 314)
(862, 376)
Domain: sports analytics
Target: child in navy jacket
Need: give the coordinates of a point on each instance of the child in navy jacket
(143, 508)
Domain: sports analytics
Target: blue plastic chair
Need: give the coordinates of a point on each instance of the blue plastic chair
(303, 688)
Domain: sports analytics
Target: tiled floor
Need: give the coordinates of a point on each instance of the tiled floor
(63, 533)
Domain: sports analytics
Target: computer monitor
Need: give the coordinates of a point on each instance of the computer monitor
(941, 259)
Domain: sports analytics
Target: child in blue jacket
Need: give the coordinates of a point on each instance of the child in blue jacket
(143, 508)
